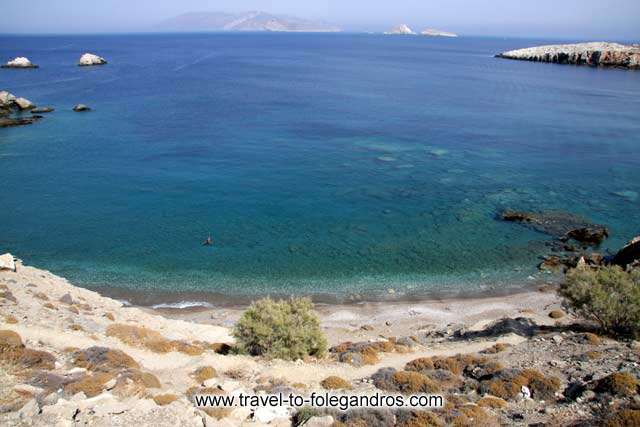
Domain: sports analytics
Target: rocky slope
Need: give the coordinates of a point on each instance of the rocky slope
(247, 21)
(594, 54)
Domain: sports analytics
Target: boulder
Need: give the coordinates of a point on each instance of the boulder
(629, 254)
(7, 262)
(20, 62)
(89, 59)
(6, 99)
(25, 104)
(589, 235)
(80, 108)
(41, 110)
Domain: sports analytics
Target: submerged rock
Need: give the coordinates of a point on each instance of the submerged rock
(80, 108)
(89, 59)
(41, 110)
(594, 54)
(7, 122)
(562, 225)
(20, 62)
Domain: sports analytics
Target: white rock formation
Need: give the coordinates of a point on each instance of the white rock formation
(431, 32)
(6, 98)
(20, 62)
(89, 59)
(7, 262)
(25, 104)
(594, 54)
(401, 29)
(81, 107)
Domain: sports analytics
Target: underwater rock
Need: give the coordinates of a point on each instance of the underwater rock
(561, 225)
(7, 122)
(41, 110)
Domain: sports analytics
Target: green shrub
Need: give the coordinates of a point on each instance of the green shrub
(609, 296)
(285, 329)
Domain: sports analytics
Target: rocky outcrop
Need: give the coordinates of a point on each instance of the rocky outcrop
(7, 262)
(20, 62)
(596, 54)
(432, 32)
(25, 104)
(80, 108)
(561, 225)
(89, 59)
(628, 255)
(8, 122)
(401, 30)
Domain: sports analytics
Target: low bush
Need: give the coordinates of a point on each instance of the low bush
(285, 329)
(417, 419)
(508, 384)
(492, 402)
(138, 336)
(609, 296)
(623, 418)
(204, 373)
(622, 384)
(164, 399)
(335, 383)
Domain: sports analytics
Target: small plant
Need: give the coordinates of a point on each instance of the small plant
(609, 296)
(335, 383)
(285, 329)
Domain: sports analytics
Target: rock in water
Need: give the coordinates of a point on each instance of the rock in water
(7, 262)
(25, 104)
(41, 110)
(401, 29)
(20, 62)
(80, 108)
(594, 54)
(89, 59)
(21, 121)
(629, 254)
(431, 32)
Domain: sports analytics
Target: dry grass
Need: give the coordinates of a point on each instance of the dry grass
(41, 295)
(454, 364)
(110, 316)
(418, 419)
(414, 382)
(164, 399)
(76, 327)
(103, 359)
(50, 306)
(497, 348)
(91, 385)
(472, 416)
(509, 387)
(14, 353)
(492, 402)
(335, 383)
(10, 319)
(622, 384)
(623, 418)
(204, 373)
(139, 336)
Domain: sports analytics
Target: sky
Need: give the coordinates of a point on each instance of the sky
(580, 19)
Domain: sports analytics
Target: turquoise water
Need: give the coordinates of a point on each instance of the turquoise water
(322, 164)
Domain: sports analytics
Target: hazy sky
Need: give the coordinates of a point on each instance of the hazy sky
(593, 19)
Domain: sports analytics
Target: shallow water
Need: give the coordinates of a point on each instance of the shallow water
(324, 164)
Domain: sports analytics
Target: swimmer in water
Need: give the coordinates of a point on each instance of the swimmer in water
(208, 242)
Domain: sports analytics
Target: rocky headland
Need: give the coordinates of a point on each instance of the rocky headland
(596, 54)
(11, 109)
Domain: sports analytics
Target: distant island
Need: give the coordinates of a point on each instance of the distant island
(402, 29)
(594, 54)
(246, 21)
(431, 32)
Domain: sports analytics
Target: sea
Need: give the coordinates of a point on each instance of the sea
(346, 167)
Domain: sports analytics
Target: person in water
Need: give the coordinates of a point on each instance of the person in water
(208, 242)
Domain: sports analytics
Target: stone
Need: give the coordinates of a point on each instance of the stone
(19, 121)
(80, 108)
(595, 54)
(66, 299)
(6, 98)
(7, 262)
(42, 110)
(589, 235)
(20, 62)
(326, 421)
(557, 339)
(629, 254)
(27, 389)
(25, 104)
(525, 392)
(266, 414)
(89, 59)
(29, 410)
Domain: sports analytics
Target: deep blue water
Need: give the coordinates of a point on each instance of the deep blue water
(325, 164)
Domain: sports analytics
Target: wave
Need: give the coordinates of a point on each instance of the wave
(183, 305)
